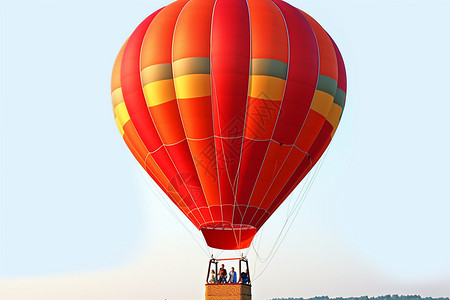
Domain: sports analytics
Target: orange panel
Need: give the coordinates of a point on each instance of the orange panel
(284, 152)
(168, 188)
(266, 175)
(297, 182)
(168, 123)
(203, 153)
(115, 77)
(273, 161)
(135, 140)
(196, 114)
(311, 129)
(261, 117)
(157, 44)
(328, 60)
(135, 153)
(142, 155)
(193, 31)
(288, 168)
(269, 36)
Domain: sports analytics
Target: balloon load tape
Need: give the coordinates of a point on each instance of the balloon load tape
(229, 236)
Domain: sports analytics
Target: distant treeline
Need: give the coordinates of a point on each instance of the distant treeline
(387, 297)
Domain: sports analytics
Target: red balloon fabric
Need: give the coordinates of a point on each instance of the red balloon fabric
(228, 104)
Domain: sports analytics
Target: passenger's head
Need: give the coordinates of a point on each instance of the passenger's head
(232, 269)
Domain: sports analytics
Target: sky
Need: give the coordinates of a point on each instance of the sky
(79, 219)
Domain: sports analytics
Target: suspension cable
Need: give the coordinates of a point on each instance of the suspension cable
(291, 217)
(293, 208)
(299, 198)
(161, 197)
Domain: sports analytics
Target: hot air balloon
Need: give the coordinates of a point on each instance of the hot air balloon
(227, 105)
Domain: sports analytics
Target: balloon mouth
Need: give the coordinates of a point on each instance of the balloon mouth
(228, 236)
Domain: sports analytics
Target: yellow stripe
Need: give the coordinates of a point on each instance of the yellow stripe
(119, 126)
(334, 115)
(159, 92)
(193, 86)
(117, 97)
(322, 103)
(266, 87)
(122, 114)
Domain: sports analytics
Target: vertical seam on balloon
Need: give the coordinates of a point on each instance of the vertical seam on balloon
(279, 110)
(236, 180)
(221, 137)
(220, 131)
(179, 112)
(310, 161)
(162, 144)
(156, 129)
(146, 167)
(138, 69)
(304, 172)
(301, 128)
(211, 79)
(165, 189)
(307, 153)
(217, 106)
(218, 114)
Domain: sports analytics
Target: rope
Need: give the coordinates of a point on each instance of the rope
(282, 231)
(291, 217)
(161, 197)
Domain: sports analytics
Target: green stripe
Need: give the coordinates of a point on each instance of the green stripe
(159, 72)
(327, 84)
(339, 98)
(191, 65)
(269, 67)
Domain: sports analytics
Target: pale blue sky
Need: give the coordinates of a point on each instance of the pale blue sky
(78, 219)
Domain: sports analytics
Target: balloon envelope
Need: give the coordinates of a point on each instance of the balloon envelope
(227, 104)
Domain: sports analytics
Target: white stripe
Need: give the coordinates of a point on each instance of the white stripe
(236, 179)
(140, 56)
(281, 168)
(221, 137)
(212, 108)
(149, 153)
(179, 113)
(279, 110)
